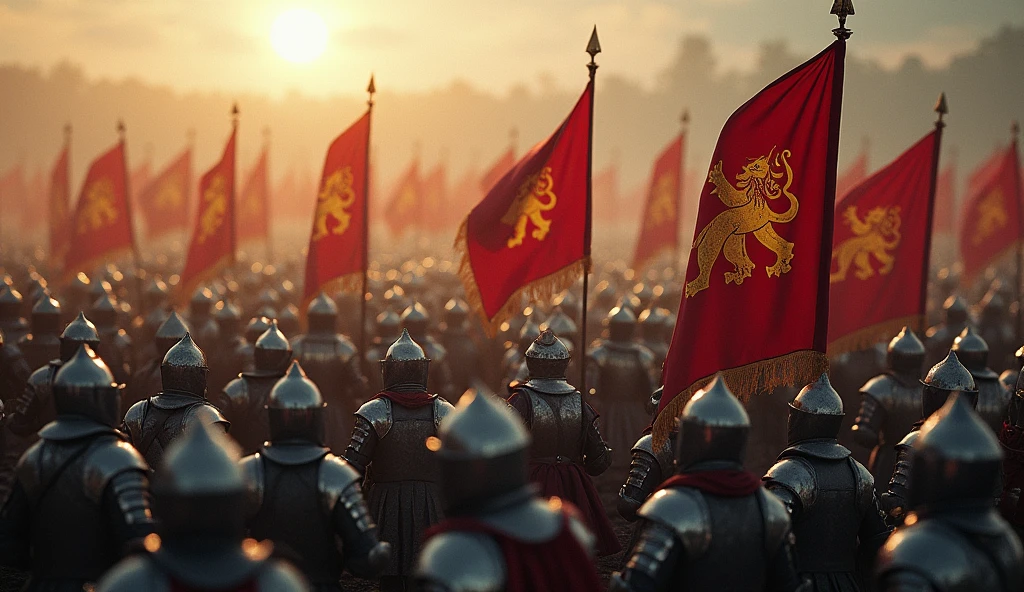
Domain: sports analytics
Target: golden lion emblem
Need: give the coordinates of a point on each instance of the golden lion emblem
(335, 197)
(748, 213)
(98, 210)
(663, 206)
(169, 196)
(529, 206)
(992, 216)
(877, 234)
(216, 199)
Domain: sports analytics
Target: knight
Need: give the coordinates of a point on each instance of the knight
(115, 346)
(199, 494)
(655, 333)
(939, 339)
(387, 447)
(993, 397)
(712, 526)
(304, 498)
(288, 320)
(43, 343)
(253, 329)
(11, 322)
(620, 377)
(154, 423)
(953, 539)
(499, 535)
(416, 321)
(996, 328)
(331, 361)
(566, 447)
(81, 498)
(243, 399)
(890, 404)
(146, 381)
(837, 522)
(945, 378)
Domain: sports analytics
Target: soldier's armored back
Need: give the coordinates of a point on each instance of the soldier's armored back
(557, 426)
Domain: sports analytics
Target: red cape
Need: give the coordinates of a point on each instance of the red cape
(721, 483)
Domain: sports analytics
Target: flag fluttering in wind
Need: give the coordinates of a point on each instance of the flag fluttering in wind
(659, 227)
(880, 251)
(405, 206)
(164, 203)
(990, 221)
(60, 205)
(337, 243)
(756, 296)
(212, 246)
(254, 203)
(528, 235)
(101, 227)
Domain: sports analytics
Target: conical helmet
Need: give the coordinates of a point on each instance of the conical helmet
(184, 368)
(455, 311)
(416, 319)
(227, 315)
(322, 314)
(257, 326)
(482, 447)
(947, 377)
(46, 316)
(527, 334)
(272, 353)
(905, 354)
(10, 303)
(621, 323)
(956, 310)
(79, 331)
(561, 324)
(104, 311)
(288, 319)
(170, 332)
(84, 386)
(406, 366)
(296, 408)
(972, 351)
(816, 412)
(712, 428)
(653, 322)
(547, 356)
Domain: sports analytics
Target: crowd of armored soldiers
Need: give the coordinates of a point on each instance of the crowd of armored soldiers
(227, 445)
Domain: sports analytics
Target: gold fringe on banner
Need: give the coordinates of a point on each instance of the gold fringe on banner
(869, 336)
(541, 289)
(797, 368)
(350, 282)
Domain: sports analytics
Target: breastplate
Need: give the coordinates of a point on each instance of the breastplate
(400, 455)
(826, 532)
(735, 558)
(557, 427)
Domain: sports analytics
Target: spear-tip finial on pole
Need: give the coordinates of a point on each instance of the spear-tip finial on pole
(1014, 130)
(67, 132)
(234, 114)
(370, 90)
(685, 118)
(842, 9)
(593, 48)
(121, 129)
(942, 109)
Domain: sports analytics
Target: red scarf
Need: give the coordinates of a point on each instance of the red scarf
(409, 400)
(558, 564)
(723, 483)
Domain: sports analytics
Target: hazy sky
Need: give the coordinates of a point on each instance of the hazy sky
(423, 44)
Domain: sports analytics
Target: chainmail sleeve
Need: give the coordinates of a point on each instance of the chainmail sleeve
(128, 505)
(652, 562)
(894, 500)
(365, 555)
(869, 422)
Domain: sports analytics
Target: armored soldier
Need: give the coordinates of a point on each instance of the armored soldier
(43, 343)
(945, 378)
(301, 496)
(81, 499)
(228, 364)
(972, 351)
(332, 362)
(830, 496)
(416, 321)
(567, 447)
(997, 330)
(463, 349)
(152, 424)
(257, 326)
(620, 377)
(288, 319)
(956, 540)
(655, 333)
(890, 404)
(243, 400)
(11, 322)
(200, 317)
(14, 370)
(146, 382)
(35, 407)
(711, 526)
(649, 466)
(1009, 377)
(387, 447)
(115, 345)
(939, 339)
(499, 534)
(200, 544)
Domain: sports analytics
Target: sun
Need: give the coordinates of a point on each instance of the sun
(299, 35)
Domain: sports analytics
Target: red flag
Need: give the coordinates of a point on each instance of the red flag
(853, 175)
(337, 243)
(990, 222)
(102, 224)
(945, 201)
(164, 201)
(434, 190)
(501, 166)
(213, 235)
(254, 203)
(984, 172)
(60, 206)
(659, 230)
(404, 206)
(880, 253)
(756, 300)
(530, 234)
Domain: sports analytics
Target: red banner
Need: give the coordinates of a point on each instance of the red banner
(254, 204)
(337, 243)
(945, 201)
(756, 300)
(404, 209)
(659, 228)
(164, 202)
(853, 175)
(990, 222)
(880, 251)
(213, 236)
(101, 228)
(60, 207)
(529, 235)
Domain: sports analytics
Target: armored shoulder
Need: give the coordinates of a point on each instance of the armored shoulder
(345, 348)
(441, 410)
(684, 511)
(236, 392)
(645, 355)
(644, 444)
(462, 562)
(378, 413)
(796, 475)
(909, 439)
(29, 469)
(776, 520)
(334, 477)
(41, 376)
(133, 420)
(206, 414)
(279, 576)
(253, 474)
(930, 551)
(105, 461)
(865, 483)
(881, 389)
(133, 574)
(598, 354)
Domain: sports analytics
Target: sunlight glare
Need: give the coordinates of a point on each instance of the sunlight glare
(299, 35)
